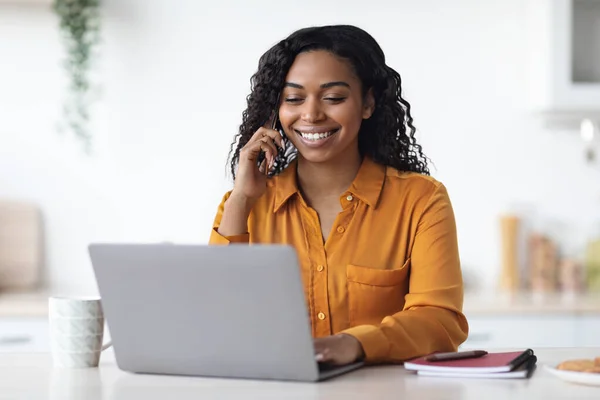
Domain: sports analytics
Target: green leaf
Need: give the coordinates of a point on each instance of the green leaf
(79, 24)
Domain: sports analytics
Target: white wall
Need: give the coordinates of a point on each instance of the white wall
(175, 76)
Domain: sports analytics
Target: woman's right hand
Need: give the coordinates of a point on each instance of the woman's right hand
(251, 180)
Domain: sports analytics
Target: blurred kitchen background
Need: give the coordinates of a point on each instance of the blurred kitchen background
(505, 95)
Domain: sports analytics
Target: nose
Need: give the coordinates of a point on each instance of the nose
(311, 111)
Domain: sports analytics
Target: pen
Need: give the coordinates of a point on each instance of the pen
(456, 355)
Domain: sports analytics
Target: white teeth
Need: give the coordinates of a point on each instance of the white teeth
(316, 136)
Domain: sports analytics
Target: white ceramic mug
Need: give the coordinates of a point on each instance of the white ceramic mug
(76, 331)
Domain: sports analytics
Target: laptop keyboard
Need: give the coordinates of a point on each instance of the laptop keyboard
(325, 367)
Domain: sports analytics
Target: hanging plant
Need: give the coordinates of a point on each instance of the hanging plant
(79, 22)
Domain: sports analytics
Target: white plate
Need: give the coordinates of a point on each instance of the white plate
(583, 378)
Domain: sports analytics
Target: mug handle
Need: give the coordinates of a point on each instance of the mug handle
(109, 343)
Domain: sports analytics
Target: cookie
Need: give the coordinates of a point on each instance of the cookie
(595, 370)
(597, 362)
(576, 365)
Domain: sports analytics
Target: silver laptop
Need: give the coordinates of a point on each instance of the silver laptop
(233, 311)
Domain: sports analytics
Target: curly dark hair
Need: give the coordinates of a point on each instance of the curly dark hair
(387, 136)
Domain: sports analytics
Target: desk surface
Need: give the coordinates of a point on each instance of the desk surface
(31, 376)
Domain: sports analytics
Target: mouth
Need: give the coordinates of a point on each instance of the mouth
(315, 136)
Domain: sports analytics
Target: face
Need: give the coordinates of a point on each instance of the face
(322, 107)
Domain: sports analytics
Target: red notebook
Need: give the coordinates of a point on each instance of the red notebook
(490, 363)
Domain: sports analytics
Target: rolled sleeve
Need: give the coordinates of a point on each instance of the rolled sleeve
(216, 238)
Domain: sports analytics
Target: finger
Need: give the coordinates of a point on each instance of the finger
(266, 166)
(263, 167)
(260, 133)
(275, 136)
(271, 154)
(252, 151)
(318, 345)
(324, 355)
(266, 140)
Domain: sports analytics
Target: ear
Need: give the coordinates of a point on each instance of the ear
(368, 104)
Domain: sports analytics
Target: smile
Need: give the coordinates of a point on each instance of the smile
(316, 136)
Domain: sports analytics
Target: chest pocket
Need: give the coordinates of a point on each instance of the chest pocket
(375, 293)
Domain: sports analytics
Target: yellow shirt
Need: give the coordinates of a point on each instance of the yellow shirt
(388, 274)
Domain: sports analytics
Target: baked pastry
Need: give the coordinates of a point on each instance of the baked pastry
(576, 365)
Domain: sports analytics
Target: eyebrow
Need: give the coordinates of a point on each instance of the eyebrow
(323, 86)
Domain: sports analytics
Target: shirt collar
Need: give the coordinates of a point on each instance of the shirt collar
(285, 185)
(367, 184)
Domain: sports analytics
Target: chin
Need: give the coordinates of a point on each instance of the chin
(316, 156)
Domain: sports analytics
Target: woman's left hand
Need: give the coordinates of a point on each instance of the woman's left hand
(338, 349)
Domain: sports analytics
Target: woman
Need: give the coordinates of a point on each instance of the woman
(342, 179)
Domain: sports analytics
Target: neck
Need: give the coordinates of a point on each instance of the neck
(327, 179)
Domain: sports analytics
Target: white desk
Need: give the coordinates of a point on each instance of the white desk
(31, 376)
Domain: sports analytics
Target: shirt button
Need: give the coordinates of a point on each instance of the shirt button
(340, 229)
(320, 268)
(349, 198)
(321, 316)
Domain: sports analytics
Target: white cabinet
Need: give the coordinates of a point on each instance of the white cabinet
(563, 59)
(521, 331)
(524, 330)
(589, 332)
(24, 334)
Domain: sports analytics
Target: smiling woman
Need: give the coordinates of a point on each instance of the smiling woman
(326, 161)
(323, 107)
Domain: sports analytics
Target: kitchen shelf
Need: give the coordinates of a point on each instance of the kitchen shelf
(563, 60)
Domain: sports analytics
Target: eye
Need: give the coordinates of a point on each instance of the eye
(293, 100)
(335, 99)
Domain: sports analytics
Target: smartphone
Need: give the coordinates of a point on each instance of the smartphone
(261, 156)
